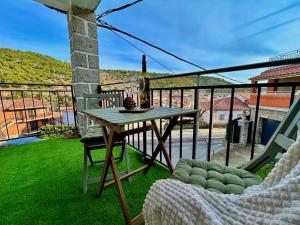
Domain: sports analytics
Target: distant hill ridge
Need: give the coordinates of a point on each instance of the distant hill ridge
(29, 67)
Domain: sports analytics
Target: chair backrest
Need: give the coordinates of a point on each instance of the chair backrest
(97, 101)
(284, 136)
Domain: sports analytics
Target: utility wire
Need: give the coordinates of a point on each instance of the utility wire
(115, 30)
(117, 9)
(103, 24)
(139, 49)
(108, 26)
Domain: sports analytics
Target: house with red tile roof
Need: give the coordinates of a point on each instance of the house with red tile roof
(221, 108)
(274, 101)
(24, 116)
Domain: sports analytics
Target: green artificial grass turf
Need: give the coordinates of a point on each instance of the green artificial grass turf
(41, 183)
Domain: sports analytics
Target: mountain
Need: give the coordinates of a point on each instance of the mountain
(30, 67)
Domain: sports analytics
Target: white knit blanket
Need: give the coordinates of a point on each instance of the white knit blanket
(275, 201)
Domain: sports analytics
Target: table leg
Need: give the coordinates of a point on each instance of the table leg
(109, 160)
(120, 190)
(161, 143)
(161, 146)
(109, 141)
(126, 153)
(85, 172)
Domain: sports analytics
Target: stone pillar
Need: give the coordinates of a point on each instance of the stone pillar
(258, 134)
(244, 124)
(84, 56)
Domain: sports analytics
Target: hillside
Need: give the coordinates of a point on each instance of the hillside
(30, 67)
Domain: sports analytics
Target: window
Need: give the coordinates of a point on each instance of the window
(19, 115)
(222, 116)
(31, 113)
(33, 125)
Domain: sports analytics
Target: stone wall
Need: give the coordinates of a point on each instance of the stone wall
(84, 56)
(266, 114)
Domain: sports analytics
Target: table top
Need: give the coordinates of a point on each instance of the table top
(114, 117)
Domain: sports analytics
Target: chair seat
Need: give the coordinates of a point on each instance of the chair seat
(214, 177)
(93, 135)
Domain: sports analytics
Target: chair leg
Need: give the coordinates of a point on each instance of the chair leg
(123, 149)
(85, 172)
(127, 160)
(88, 152)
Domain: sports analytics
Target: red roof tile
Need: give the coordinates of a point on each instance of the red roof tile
(20, 102)
(224, 104)
(280, 72)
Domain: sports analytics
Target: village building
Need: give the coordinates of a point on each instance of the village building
(23, 116)
(221, 109)
(274, 101)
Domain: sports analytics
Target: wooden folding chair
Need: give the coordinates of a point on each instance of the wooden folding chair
(92, 137)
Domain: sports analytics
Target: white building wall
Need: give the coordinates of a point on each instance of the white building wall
(221, 117)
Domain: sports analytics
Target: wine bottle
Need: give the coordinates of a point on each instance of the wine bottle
(145, 94)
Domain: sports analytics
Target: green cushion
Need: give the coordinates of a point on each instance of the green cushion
(214, 177)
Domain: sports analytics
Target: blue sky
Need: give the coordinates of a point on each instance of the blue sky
(211, 33)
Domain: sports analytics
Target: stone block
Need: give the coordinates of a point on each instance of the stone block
(92, 30)
(78, 60)
(79, 104)
(80, 89)
(93, 62)
(85, 75)
(85, 14)
(80, 122)
(76, 25)
(92, 46)
(81, 117)
(84, 44)
(94, 88)
(69, 15)
(81, 130)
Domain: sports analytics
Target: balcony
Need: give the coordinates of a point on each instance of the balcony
(45, 185)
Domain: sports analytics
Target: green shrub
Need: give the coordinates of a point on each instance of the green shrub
(264, 171)
(56, 131)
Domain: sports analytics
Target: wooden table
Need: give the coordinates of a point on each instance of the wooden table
(113, 124)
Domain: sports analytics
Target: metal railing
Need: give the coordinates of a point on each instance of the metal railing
(189, 139)
(186, 141)
(25, 108)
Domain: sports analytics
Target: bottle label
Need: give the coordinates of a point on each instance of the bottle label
(145, 95)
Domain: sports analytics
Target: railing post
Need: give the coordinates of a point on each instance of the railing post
(230, 127)
(5, 121)
(292, 95)
(196, 120)
(144, 70)
(180, 135)
(170, 136)
(74, 109)
(210, 123)
(255, 122)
